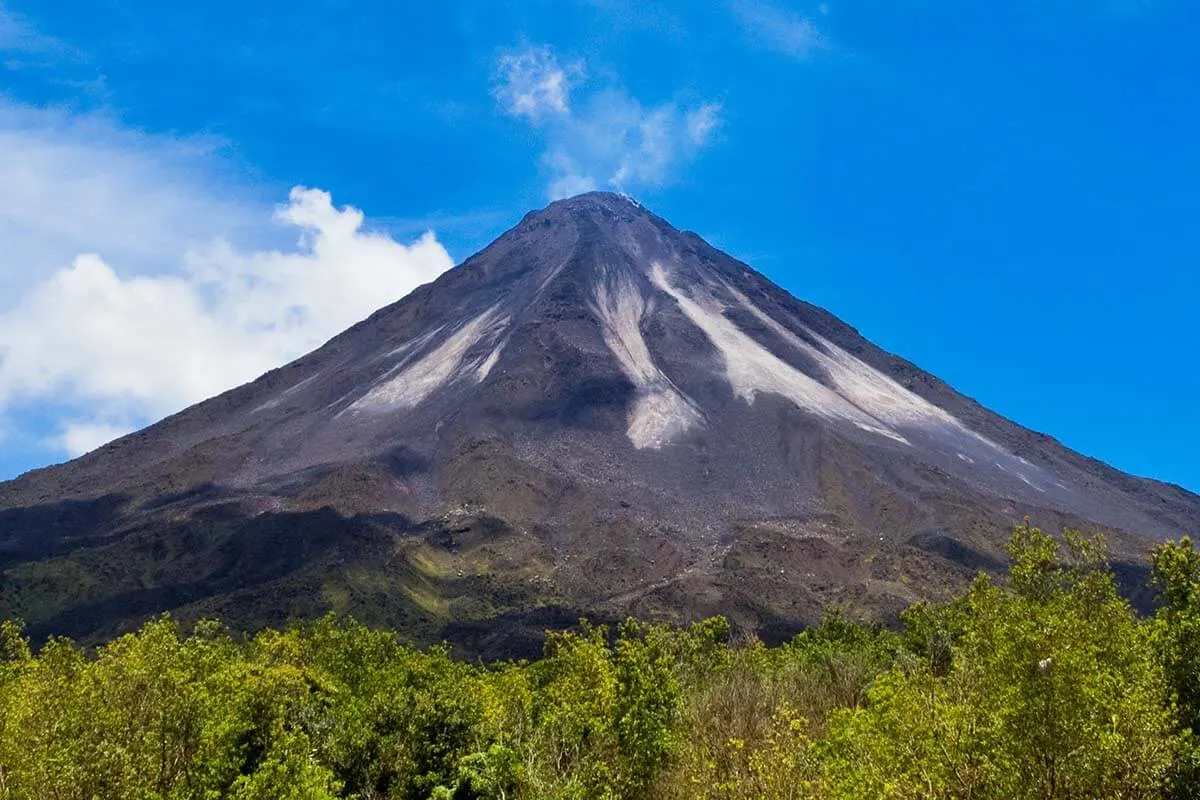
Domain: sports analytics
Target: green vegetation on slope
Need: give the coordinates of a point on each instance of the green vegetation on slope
(1045, 687)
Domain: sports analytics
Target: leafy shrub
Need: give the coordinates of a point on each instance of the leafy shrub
(1047, 686)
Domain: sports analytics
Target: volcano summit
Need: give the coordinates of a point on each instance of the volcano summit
(597, 414)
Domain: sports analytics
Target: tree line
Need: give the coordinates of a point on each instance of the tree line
(1043, 685)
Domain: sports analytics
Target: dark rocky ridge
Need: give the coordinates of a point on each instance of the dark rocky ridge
(596, 414)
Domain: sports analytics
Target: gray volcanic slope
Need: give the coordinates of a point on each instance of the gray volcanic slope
(598, 414)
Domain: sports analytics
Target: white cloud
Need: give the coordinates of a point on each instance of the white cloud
(78, 438)
(609, 138)
(532, 83)
(142, 346)
(779, 29)
(656, 140)
(135, 280)
(81, 183)
(568, 179)
(138, 275)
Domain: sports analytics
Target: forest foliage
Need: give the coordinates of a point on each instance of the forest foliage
(1044, 685)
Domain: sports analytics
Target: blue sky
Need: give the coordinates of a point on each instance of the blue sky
(1004, 193)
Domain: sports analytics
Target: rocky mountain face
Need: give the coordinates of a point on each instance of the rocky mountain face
(596, 415)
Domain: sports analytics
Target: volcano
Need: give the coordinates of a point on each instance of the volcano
(596, 415)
